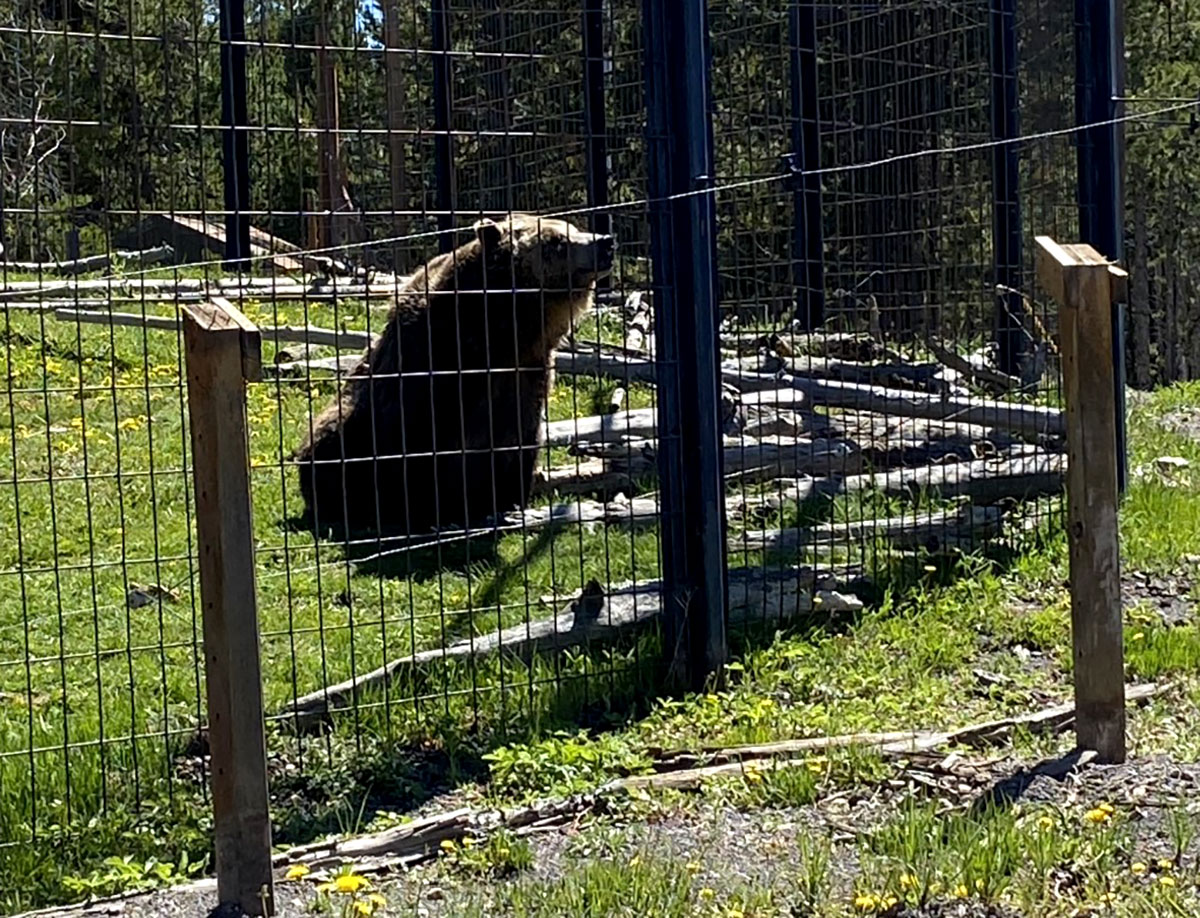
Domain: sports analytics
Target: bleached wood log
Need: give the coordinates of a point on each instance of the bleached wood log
(289, 333)
(933, 531)
(983, 481)
(92, 262)
(637, 309)
(1016, 416)
(593, 618)
(995, 380)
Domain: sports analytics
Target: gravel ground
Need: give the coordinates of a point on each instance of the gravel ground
(732, 845)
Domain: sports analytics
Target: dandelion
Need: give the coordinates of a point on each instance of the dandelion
(635, 860)
(693, 868)
(735, 913)
(1045, 823)
(814, 767)
(707, 894)
(907, 881)
(1140, 636)
(864, 903)
(297, 872)
(1137, 869)
(131, 423)
(1165, 864)
(1107, 807)
(468, 842)
(1168, 882)
(1097, 816)
(961, 891)
(448, 846)
(346, 884)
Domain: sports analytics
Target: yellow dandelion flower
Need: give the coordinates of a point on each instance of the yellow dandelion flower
(350, 883)
(889, 902)
(1045, 823)
(1097, 816)
(1165, 864)
(1137, 869)
(693, 868)
(1107, 807)
(815, 767)
(297, 872)
(707, 894)
(1168, 882)
(735, 913)
(1140, 636)
(961, 891)
(907, 881)
(77, 423)
(130, 424)
(363, 907)
(635, 860)
(448, 846)
(864, 903)
(468, 842)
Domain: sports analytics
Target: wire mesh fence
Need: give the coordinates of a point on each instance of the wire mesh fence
(480, 392)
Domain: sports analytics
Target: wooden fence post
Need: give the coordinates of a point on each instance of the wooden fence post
(223, 353)
(1085, 286)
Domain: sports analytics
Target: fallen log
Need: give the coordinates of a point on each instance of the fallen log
(92, 262)
(988, 377)
(637, 309)
(982, 481)
(1025, 418)
(594, 617)
(421, 838)
(751, 460)
(150, 289)
(923, 377)
(935, 532)
(290, 333)
(732, 761)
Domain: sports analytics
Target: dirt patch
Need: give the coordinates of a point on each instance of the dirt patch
(1183, 421)
(1170, 595)
(764, 848)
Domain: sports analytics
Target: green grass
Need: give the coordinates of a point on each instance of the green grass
(99, 702)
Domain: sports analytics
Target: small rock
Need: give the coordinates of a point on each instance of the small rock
(1171, 463)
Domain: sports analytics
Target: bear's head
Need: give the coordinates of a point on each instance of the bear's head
(553, 255)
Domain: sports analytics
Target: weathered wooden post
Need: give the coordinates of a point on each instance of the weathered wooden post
(224, 351)
(1085, 286)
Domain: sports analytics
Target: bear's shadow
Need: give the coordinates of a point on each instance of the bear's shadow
(392, 555)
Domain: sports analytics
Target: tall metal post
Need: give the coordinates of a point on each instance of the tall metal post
(808, 237)
(443, 142)
(1099, 46)
(235, 139)
(595, 122)
(1006, 200)
(683, 251)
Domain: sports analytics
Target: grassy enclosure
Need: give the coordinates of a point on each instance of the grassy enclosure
(103, 680)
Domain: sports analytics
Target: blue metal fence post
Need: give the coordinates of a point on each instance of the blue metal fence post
(808, 238)
(235, 139)
(683, 225)
(1098, 46)
(595, 122)
(1006, 201)
(443, 141)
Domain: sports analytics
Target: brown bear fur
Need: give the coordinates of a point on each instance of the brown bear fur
(388, 454)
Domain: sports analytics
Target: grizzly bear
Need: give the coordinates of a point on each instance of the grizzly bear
(440, 422)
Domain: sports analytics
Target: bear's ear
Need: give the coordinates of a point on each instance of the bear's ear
(487, 231)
